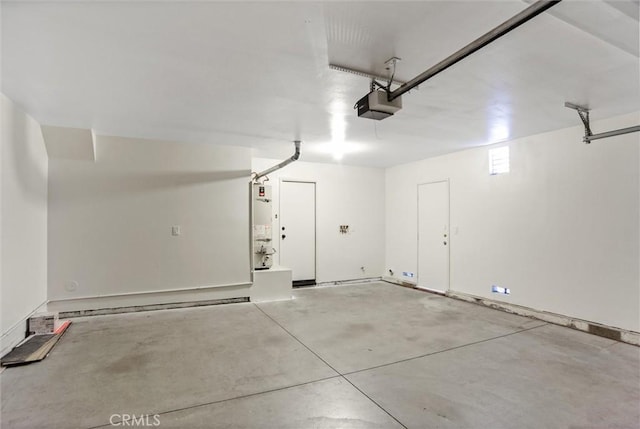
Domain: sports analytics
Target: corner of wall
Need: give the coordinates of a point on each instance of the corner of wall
(23, 222)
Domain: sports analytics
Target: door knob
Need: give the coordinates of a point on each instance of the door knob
(283, 236)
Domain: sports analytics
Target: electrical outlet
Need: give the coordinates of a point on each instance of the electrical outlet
(176, 230)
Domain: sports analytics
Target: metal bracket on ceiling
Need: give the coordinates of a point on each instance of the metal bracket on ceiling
(391, 70)
(583, 113)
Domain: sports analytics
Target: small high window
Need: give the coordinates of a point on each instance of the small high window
(499, 160)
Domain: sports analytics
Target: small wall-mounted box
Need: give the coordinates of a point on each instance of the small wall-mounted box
(376, 105)
(42, 323)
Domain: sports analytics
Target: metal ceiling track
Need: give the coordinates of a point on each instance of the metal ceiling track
(363, 74)
(583, 113)
(504, 28)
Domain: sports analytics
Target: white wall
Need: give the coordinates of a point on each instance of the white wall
(345, 195)
(110, 224)
(23, 274)
(561, 230)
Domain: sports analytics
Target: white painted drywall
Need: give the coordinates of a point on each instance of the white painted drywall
(69, 143)
(23, 277)
(561, 230)
(110, 221)
(345, 195)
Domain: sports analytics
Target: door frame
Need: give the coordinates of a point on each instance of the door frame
(448, 288)
(315, 221)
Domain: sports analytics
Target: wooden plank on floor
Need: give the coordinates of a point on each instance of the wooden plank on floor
(35, 348)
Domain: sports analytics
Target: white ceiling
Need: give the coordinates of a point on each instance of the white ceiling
(256, 74)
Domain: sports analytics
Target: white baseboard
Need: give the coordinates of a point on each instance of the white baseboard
(629, 337)
(625, 336)
(15, 334)
(350, 282)
(91, 305)
(400, 282)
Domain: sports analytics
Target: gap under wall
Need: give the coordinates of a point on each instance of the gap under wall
(594, 328)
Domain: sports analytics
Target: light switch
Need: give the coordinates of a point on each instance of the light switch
(175, 230)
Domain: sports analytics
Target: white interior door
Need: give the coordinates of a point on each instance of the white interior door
(298, 230)
(433, 236)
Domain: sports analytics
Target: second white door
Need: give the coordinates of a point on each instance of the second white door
(433, 236)
(298, 230)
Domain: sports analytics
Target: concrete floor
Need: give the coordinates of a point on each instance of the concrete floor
(359, 356)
